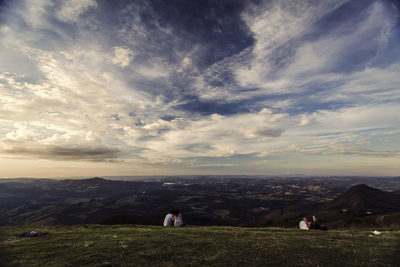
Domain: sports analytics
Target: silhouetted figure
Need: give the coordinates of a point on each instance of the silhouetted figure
(316, 225)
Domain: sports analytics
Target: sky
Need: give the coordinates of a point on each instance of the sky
(156, 87)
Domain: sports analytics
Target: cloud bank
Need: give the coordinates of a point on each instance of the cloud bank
(202, 86)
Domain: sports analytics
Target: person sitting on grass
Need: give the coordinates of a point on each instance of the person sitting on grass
(169, 219)
(178, 219)
(304, 224)
(316, 225)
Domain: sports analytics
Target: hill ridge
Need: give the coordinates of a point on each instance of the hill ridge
(362, 200)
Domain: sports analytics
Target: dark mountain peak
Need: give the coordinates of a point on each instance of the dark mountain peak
(362, 190)
(361, 187)
(97, 179)
(362, 200)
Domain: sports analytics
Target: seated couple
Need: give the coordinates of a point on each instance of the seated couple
(173, 218)
(306, 225)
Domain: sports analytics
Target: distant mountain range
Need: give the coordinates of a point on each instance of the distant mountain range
(203, 201)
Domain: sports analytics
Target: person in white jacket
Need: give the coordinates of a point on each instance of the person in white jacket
(169, 219)
(304, 224)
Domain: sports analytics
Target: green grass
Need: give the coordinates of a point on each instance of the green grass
(99, 245)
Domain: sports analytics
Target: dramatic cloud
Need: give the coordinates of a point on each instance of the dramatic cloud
(201, 86)
(70, 11)
(73, 146)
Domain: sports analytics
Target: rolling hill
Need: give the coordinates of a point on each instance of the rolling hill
(361, 205)
(361, 200)
(203, 201)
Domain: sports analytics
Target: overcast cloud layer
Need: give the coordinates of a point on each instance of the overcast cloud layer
(181, 87)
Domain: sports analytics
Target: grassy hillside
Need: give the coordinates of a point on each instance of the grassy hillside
(99, 245)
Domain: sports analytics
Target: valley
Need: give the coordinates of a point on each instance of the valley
(203, 200)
